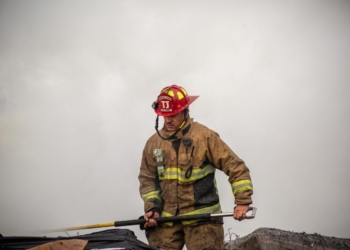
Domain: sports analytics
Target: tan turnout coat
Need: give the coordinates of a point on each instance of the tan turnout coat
(184, 182)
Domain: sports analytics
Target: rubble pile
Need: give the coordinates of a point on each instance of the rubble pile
(276, 239)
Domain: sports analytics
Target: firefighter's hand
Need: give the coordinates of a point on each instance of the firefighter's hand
(149, 218)
(240, 211)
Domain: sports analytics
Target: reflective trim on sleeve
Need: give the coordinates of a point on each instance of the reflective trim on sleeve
(151, 195)
(174, 173)
(241, 186)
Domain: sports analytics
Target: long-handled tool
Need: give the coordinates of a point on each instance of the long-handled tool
(159, 220)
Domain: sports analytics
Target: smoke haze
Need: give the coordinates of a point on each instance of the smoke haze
(77, 80)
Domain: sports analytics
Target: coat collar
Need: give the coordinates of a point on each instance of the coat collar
(183, 131)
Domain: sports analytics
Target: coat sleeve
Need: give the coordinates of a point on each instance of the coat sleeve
(149, 188)
(238, 173)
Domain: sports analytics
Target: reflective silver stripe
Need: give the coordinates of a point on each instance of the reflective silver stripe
(174, 173)
(166, 214)
(241, 186)
(151, 195)
(215, 209)
(212, 210)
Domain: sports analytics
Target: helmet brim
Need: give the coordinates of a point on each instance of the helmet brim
(192, 98)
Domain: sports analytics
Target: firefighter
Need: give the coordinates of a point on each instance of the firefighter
(177, 177)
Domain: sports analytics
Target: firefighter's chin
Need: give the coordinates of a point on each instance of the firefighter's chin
(170, 127)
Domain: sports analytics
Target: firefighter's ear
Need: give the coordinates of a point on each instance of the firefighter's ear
(155, 105)
(186, 112)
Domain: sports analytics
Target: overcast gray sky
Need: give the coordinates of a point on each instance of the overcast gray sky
(77, 79)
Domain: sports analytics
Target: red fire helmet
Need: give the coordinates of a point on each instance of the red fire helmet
(172, 100)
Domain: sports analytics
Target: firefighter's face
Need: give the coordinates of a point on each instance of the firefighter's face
(173, 122)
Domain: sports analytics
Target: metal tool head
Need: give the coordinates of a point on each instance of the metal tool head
(252, 216)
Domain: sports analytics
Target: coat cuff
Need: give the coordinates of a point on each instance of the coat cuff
(244, 198)
(155, 209)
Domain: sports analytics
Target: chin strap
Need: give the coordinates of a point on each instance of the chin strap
(173, 135)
